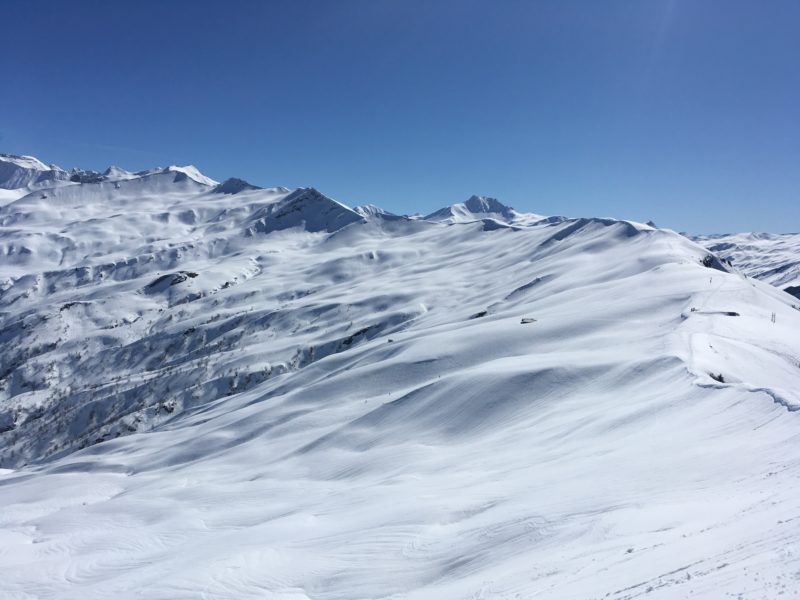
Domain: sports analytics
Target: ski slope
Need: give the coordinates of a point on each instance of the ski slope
(219, 391)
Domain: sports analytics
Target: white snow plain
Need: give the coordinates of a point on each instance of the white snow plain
(266, 394)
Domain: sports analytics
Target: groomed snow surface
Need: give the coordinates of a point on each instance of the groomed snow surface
(219, 391)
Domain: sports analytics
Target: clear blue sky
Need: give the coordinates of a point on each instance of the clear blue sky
(684, 112)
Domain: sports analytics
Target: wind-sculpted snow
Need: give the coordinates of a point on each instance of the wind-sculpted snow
(266, 394)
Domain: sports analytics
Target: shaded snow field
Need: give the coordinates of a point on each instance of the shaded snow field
(266, 394)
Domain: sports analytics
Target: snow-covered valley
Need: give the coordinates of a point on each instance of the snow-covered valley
(212, 390)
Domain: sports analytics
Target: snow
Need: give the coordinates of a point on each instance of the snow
(26, 171)
(114, 173)
(371, 210)
(24, 162)
(268, 394)
(7, 196)
(482, 207)
(233, 185)
(192, 172)
(771, 257)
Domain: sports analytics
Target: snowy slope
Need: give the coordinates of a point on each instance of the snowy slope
(771, 257)
(266, 394)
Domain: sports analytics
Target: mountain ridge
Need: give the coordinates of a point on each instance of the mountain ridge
(267, 392)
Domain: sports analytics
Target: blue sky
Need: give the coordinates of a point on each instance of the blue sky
(684, 112)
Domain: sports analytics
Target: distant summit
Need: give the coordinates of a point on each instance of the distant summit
(371, 211)
(477, 208)
(26, 171)
(20, 172)
(486, 205)
(233, 185)
(114, 173)
(191, 172)
(306, 208)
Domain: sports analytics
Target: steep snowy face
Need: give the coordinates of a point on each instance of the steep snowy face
(268, 394)
(771, 257)
(482, 207)
(25, 171)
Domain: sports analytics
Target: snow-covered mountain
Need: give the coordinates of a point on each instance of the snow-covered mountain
(771, 257)
(20, 174)
(215, 390)
(483, 208)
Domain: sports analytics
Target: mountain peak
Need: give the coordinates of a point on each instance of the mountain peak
(191, 172)
(304, 207)
(485, 204)
(477, 208)
(20, 171)
(372, 210)
(233, 185)
(115, 173)
(27, 162)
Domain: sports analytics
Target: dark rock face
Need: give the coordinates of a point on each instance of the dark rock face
(86, 177)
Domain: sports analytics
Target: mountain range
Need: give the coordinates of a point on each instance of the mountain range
(226, 391)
